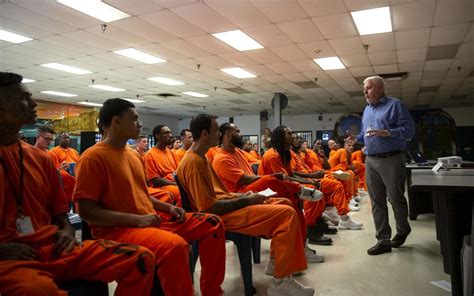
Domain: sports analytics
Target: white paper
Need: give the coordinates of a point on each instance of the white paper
(268, 192)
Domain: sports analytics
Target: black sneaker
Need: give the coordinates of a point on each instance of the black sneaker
(379, 248)
(399, 239)
(321, 225)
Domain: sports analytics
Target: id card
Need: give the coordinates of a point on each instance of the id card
(24, 225)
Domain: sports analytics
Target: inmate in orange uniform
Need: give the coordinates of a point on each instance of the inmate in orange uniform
(231, 167)
(60, 155)
(131, 266)
(123, 189)
(272, 164)
(340, 161)
(179, 154)
(162, 163)
(212, 152)
(276, 221)
(358, 160)
(249, 157)
(255, 154)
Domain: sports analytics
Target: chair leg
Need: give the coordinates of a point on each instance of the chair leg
(256, 241)
(244, 246)
(193, 257)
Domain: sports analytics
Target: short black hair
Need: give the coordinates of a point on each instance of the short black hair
(9, 79)
(223, 129)
(199, 123)
(157, 130)
(183, 132)
(46, 129)
(111, 108)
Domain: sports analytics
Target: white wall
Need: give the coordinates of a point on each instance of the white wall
(462, 116)
(149, 121)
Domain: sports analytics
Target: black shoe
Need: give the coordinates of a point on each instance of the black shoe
(399, 239)
(322, 226)
(320, 240)
(379, 248)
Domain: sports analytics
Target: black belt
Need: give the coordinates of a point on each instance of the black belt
(387, 154)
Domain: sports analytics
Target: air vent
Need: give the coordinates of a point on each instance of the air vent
(237, 109)
(335, 104)
(166, 95)
(238, 90)
(307, 84)
(394, 76)
(442, 52)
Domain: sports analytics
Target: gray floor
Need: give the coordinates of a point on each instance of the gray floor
(348, 269)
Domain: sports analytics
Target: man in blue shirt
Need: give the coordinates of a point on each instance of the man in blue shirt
(386, 127)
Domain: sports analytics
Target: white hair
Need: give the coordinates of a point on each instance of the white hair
(377, 79)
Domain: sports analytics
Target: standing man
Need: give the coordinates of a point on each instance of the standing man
(64, 153)
(386, 126)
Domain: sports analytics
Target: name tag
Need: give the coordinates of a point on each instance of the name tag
(24, 226)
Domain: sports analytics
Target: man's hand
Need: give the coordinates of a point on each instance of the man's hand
(316, 183)
(255, 198)
(178, 213)
(66, 241)
(320, 174)
(17, 251)
(380, 133)
(147, 221)
(279, 176)
(63, 166)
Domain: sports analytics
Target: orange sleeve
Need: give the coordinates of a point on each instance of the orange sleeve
(272, 163)
(228, 170)
(160, 164)
(179, 154)
(250, 158)
(339, 160)
(297, 164)
(90, 179)
(54, 158)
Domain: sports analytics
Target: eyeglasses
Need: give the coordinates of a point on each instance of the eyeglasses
(47, 139)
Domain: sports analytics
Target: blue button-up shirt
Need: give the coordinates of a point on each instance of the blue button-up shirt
(388, 114)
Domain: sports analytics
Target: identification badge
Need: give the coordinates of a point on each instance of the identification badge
(24, 225)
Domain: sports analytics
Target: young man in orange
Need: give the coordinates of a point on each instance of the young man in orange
(186, 141)
(340, 161)
(334, 196)
(142, 145)
(255, 151)
(112, 195)
(37, 243)
(358, 160)
(237, 175)
(161, 163)
(247, 152)
(244, 212)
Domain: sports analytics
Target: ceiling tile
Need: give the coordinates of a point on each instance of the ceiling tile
(317, 49)
(268, 35)
(300, 31)
(323, 7)
(282, 68)
(305, 66)
(386, 69)
(238, 59)
(280, 10)
(171, 23)
(379, 42)
(413, 15)
(412, 54)
(383, 58)
(143, 29)
(362, 71)
(185, 48)
(336, 26)
(438, 65)
(442, 52)
(358, 60)
(135, 7)
(113, 33)
(94, 40)
(412, 39)
(204, 17)
(447, 14)
(447, 35)
(355, 5)
(241, 13)
(289, 53)
(263, 56)
(347, 46)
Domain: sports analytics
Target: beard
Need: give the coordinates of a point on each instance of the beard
(238, 142)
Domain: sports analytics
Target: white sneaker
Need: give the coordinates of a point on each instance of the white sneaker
(350, 224)
(313, 256)
(356, 198)
(341, 175)
(310, 194)
(354, 202)
(353, 209)
(270, 268)
(288, 286)
(331, 215)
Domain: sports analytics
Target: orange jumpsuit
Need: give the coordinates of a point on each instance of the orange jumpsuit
(358, 160)
(255, 154)
(341, 161)
(60, 155)
(179, 154)
(115, 179)
(131, 266)
(162, 163)
(249, 157)
(212, 152)
(276, 221)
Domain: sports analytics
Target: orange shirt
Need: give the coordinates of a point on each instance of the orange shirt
(141, 153)
(43, 197)
(179, 154)
(115, 179)
(160, 163)
(61, 155)
(331, 152)
(339, 160)
(212, 152)
(231, 167)
(272, 163)
(297, 163)
(249, 157)
(201, 182)
(255, 154)
(313, 160)
(358, 156)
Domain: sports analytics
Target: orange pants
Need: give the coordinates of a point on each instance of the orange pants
(130, 265)
(349, 185)
(360, 172)
(278, 221)
(286, 189)
(161, 195)
(169, 243)
(174, 190)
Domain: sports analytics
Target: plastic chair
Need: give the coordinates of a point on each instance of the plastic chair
(242, 242)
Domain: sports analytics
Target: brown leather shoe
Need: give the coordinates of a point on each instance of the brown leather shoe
(379, 248)
(399, 239)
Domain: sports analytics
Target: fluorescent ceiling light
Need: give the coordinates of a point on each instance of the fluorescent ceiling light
(106, 87)
(165, 80)
(66, 68)
(27, 80)
(238, 40)
(96, 9)
(139, 56)
(373, 21)
(194, 94)
(238, 72)
(12, 37)
(134, 100)
(57, 93)
(90, 104)
(331, 63)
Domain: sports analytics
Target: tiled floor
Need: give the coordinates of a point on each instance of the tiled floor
(348, 269)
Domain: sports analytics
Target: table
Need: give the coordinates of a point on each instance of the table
(453, 202)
